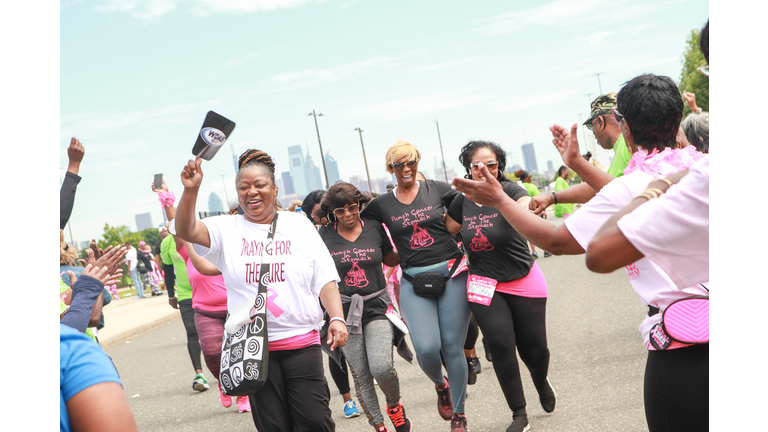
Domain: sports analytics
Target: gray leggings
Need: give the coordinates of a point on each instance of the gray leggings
(440, 324)
(370, 356)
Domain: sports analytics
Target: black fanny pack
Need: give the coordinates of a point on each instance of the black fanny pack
(430, 284)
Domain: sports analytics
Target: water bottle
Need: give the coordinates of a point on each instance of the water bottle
(298, 210)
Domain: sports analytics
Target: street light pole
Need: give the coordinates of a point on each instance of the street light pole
(581, 120)
(226, 195)
(360, 131)
(322, 156)
(598, 81)
(441, 149)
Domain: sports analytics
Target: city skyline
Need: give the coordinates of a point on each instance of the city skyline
(499, 71)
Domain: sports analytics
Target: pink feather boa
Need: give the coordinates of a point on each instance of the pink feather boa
(664, 163)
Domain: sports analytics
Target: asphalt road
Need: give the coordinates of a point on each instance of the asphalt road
(596, 367)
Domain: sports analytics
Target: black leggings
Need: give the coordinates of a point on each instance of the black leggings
(676, 393)
(339, 374)
(295, 396)
(193, 340)
(472, 333)
(512, 321)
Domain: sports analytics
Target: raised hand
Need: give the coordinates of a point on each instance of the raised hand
(486, 192)
(75, 153)
(192, 175)
(164, 188)
(690, 99)
(566, 143)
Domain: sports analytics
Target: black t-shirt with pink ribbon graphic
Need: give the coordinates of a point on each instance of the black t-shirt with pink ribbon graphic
(359, 265)
(493, 247)
(418, 229)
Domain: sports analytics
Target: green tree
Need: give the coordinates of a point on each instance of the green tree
(114, 236)
(691, 80)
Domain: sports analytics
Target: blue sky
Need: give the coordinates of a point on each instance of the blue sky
(137, 77)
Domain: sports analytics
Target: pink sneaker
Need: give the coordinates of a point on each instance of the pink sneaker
(243, 405)
(225, 400)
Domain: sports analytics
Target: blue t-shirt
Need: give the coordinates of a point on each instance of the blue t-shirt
(83, 364)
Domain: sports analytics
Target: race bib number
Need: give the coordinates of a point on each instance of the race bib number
(480, 289)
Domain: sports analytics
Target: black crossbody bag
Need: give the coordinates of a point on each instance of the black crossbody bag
(430, 284)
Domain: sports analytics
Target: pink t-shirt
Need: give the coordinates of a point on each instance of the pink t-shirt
(208, 292)
(679, 245)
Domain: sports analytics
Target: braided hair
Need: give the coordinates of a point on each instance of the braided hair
(255, 157)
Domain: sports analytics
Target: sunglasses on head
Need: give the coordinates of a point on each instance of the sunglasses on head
(352, 209)
(617, 115)
(400, 165)
(489, 164)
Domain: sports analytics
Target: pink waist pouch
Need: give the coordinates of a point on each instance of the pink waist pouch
(685, 321)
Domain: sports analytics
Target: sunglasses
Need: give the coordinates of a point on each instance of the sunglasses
(352, 209)
(489, 164)
(617, 115)
(399, 166)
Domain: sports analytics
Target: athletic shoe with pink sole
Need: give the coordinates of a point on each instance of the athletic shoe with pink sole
(444, 403)
(225, 400)
(243, 405)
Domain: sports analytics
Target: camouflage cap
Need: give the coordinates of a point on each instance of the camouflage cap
(601, 105)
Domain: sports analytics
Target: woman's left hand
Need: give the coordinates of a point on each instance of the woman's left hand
(337, 334)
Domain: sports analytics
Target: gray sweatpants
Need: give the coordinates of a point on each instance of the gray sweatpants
(370, 356)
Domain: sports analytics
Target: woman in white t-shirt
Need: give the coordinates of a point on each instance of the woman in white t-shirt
(676, 388)
(295, 396)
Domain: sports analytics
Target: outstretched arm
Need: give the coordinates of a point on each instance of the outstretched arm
(568, 146)
(75, 152)
(555, 239)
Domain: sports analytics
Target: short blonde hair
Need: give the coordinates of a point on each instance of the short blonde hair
(400, 150)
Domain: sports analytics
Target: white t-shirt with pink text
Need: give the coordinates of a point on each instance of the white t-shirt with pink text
(300, 266)
(650, 283)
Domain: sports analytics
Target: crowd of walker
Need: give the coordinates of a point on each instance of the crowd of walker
(348, 264)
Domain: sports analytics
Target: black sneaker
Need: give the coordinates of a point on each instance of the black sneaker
(547, 254)
(476, 364)
(471, 372)
(519, 423)
(534, 255)
(399, 419)
(547, 396)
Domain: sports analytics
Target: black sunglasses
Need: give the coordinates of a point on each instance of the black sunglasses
(399, 166)
(617, 115)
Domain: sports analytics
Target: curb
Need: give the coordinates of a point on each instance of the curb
(116, 338)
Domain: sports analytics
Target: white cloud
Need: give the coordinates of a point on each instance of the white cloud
(149, 10)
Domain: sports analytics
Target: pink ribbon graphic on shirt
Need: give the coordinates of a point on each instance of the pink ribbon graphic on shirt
(271, 305)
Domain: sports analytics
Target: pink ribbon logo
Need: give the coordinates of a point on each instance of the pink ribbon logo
(271, 305)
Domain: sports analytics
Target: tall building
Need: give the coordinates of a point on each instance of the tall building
(314, 179)
(359, 182)
(298, 170)
(332, 167)
(144, 221)
(529, 158)
(287, 180)
(550, 166)
(215, 204)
